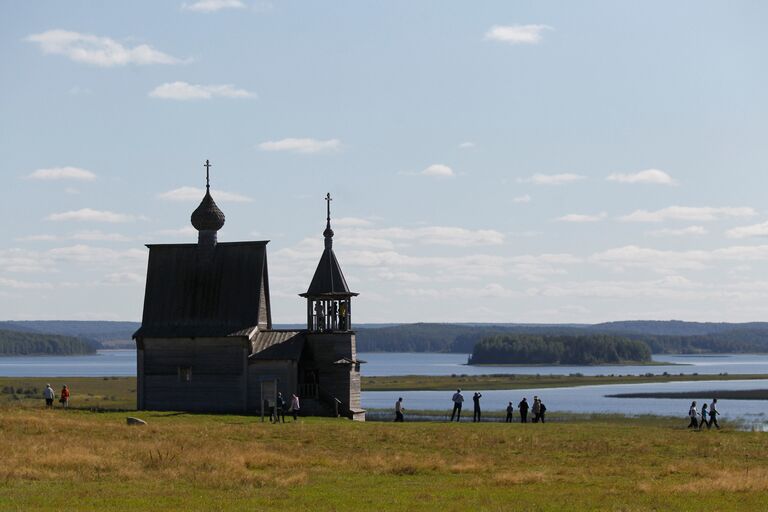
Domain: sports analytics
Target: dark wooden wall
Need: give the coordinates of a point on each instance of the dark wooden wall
(219, 374)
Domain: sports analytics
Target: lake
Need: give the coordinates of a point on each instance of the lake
(108, 363)
(583, 399)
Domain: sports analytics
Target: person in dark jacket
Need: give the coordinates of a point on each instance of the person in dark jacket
(542, 410)
(399, 410)
(279, 408)
(509, 413)
(523, 408)
(476, 399)
(458, 400)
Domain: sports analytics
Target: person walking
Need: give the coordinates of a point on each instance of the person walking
(295, 407)
(542, 410)
(279, 408)
(458, 400)
(509, 413)
(476, 413)
(536, 409)
(704, 420)
(692, 414)
(399, 410)
(64, 397)
(49, 394)
(713, 414)
(523, 408)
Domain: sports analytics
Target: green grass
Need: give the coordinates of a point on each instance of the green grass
(86, 392)
(78, 460)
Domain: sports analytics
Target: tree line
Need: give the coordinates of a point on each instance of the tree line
(14, 343)
(682, 337)
(577, 350)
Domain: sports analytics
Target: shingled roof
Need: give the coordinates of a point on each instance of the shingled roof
(328, 278)
(193, 292)
(283, 345)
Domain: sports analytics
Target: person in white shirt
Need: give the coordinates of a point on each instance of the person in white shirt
(49, 394)
(713, 414)
(458, 400)
(294, 407)
(692, 412)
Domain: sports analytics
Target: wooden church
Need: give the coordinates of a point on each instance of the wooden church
(206, 342)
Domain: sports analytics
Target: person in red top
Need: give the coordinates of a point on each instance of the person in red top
(64, 397)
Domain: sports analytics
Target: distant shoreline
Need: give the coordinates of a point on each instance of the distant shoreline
(517, 381)
(743, 394)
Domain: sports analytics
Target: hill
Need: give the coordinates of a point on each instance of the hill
(15, 343)
(672, 337)
(103, 333)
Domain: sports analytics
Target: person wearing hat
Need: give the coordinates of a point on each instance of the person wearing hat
(49, 394)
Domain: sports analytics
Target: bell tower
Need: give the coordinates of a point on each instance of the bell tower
(329, 301)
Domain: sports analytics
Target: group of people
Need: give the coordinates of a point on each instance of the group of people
(50, 395)
(538, 410)
(708, 417)
(281, 407)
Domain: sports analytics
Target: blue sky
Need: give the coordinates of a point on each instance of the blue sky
(507, 161)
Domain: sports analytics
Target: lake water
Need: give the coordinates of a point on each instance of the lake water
(108, 363)
(583, 399)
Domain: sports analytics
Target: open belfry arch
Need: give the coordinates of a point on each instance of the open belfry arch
(206, 342)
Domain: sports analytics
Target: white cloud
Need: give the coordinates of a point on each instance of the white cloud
(38, 238)
(124, 278)
(688, 213)
(552, 179)
(351, 222)
(753, 231)
(213, 5)
(438, 170)
(302, 145)
(516, 34)
(578, 217)
(80, 235)
(96, 50)
(183, 91)
(665, 261)
(196, 194)
(184, 231)
(467, 145)
(522, 199)
(690, 230)
(23, 285)
(98, 255)
(98, 236)
(90, 215)
(649, 176)
(62, 173)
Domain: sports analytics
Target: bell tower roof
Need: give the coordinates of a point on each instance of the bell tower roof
(328, 280)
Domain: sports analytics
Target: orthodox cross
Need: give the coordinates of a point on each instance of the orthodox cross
(328, 200)
(207, 174)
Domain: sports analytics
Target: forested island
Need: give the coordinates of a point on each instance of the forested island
(575, 350)
(662, 337)
(16, 343)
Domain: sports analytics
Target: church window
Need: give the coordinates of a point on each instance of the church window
(185, 374)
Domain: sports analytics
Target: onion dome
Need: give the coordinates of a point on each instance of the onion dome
(207, 216)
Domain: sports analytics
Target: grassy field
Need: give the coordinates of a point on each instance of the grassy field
(80, 460)
(87, 392)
